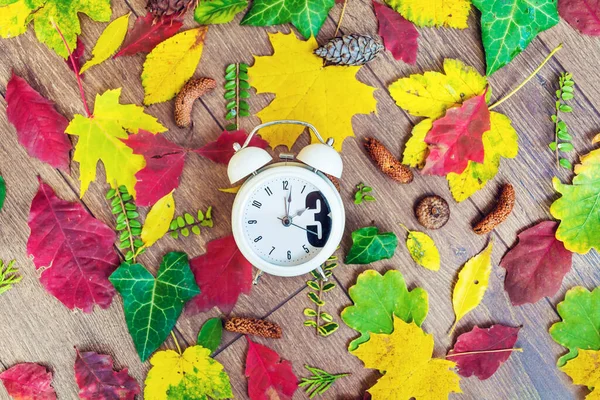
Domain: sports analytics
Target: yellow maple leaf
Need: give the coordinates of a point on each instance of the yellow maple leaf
(404, 357)
(13, 17)
(472, 283)
(100, 140)
(305, 90)
(171, 64)
(452, 13)
(191, 375)
(158, 220)
(109, 42)
(585, 370)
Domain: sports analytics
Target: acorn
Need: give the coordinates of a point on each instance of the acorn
(432, 212)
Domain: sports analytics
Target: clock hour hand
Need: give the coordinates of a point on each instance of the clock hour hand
(298, 213)
(289, 203)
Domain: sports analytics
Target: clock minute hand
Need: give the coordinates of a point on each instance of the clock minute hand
(298, 226)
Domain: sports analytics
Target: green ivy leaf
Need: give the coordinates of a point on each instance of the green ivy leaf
(152, 305)
(210, 12)
(368, 245)
(210, 334)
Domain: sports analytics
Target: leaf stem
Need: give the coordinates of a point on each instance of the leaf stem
(337, 29)
(483, 352)
(320, 281)
(534, 73)
(176, 342)
(131, 244)
(237, 96)
(76, 69)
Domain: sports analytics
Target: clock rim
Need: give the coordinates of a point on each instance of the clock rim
(307, 173)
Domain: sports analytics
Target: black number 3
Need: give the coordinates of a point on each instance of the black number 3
(316, 201)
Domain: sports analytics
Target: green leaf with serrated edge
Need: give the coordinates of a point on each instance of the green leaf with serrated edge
(508, 26)
(210, 12)
(313, 285)
(210, 334)
(368, 245)
(377, 298)
(152, 305)
(580, 325)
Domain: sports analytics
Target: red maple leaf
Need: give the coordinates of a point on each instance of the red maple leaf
(28, 381)
(40, 128)
(77, 56)
(536, 266)
(269, 377)
(221, 150)
(456, 138)
(485, 363)
(97, 379)
(147, 32)
(583, 15)
(75, 249)
(222, 274)
(399, 34)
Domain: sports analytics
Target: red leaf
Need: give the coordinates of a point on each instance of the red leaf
(222, 274)
(456, 138)
(75, 249)
(221, 150)
(583, 15)
(77, 54)
(97, 379)
(399, 34)
(536, 266)
(28, 381)
(164, 165)
(483, 365)
(40, 128)
(269, 377)
(147, 32)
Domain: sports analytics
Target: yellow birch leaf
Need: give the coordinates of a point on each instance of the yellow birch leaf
(100, 140)
(158, 220)
(233, 190)
(404, 359)
(191, 375)
(430, 94)
(109, 42)
(585, 370)
(452, 13)
(171, 64)
(306, 90)
(472, 283)
(422, 249)
(416, 150)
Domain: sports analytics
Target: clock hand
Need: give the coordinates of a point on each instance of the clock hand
(289, 202)
(298, 226)
(298, 213)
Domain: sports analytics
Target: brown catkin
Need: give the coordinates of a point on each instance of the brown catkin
(499, 213)
(335, 181)
(193, 89)
(253, 326)
(386, 161)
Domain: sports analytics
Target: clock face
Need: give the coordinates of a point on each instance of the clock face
(286, 220)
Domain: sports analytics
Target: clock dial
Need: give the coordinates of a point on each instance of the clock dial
(287, 221)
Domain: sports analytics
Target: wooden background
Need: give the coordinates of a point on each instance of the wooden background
(35, 327)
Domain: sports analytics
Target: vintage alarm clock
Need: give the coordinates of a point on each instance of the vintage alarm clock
(288, 218)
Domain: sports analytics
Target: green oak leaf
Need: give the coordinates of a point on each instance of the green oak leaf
(306, 15)
(368, 245)
(508, 26)
(580, 325)
(210, 334)
(2, 192)
(210, 12)
(377, 298)
(151, 305)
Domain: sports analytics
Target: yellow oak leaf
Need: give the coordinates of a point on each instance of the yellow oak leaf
(452, 13)
(109, 42)
(158, 220)
(171, 64)
(305, 90)
(472, 283)
(404, 359)
(191, 375)
(585, 370)
(430, 94)
(423, 250)
(416, 150)
(100, 140)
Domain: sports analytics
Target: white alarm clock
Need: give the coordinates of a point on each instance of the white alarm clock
(288, 218)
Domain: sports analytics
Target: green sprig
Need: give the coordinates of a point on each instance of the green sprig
(8, 276)
(562, 138)
(186, 223)
(319, 382)
(320, 320)
(236, 91)
(128, 227)
(362, 194)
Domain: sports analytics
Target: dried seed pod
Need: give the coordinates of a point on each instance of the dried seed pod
(335, 181)
(193, 89)
(499, 213)
(386, 161)
(253, 326)
(432, 212)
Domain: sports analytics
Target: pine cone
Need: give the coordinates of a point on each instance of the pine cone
(160, 8)
(350, 50)
(253, 326)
